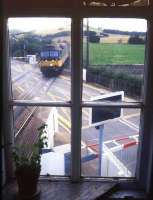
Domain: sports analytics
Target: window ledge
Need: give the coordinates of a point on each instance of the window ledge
(64, 189)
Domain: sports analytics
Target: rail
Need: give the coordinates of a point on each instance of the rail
(24, 124)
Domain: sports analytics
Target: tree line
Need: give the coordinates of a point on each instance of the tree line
(22, 44)
(130, 33)
(134, 37)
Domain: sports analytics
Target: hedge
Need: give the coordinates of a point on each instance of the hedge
(130, 84)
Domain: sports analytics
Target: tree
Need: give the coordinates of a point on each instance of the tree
(90, 33)
(22, 44)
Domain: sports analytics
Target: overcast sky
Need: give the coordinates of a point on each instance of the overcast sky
(28, 24)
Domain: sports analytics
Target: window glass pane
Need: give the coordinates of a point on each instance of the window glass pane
(40, 58)
(110, 149)
(114, 57)
(114, 3)
(56, 157)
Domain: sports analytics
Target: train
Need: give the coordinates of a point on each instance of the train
(53, 58)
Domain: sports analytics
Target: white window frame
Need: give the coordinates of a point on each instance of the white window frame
(144, 173)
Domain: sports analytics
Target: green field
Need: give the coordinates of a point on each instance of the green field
(116, 54)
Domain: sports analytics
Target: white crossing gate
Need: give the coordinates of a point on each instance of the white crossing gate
(52, 127)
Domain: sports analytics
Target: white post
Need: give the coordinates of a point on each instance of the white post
(84, 75)
(101, 138)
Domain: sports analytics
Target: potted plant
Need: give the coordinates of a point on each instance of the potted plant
(27, 168)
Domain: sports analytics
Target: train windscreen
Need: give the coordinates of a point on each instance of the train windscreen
(54, 54)
(51, 54)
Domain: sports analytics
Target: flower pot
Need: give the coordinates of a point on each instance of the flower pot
(27, 179)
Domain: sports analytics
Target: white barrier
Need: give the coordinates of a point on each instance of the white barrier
(31, 59)
(84, 74)
(52, 127)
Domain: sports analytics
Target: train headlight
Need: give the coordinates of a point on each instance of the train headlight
(60, 63)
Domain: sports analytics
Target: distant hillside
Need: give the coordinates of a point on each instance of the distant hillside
(18, 33)
(52, 30)
(111, 31)
(62, 34)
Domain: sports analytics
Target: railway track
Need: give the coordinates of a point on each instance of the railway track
(24, 114)
(27, 120)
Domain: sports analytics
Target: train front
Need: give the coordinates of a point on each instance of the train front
(51, 62)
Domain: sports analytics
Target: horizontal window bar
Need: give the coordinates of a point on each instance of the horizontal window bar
(68, 104)
(121, 105)
(116, 12)
(84, 12)
(38, 103)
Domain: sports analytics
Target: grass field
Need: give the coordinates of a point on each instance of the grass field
(103, 53)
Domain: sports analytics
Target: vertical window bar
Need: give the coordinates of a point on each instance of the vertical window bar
(7, 125)
(76, 99)
(146, 141)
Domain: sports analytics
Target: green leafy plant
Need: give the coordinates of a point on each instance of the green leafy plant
(22, 159)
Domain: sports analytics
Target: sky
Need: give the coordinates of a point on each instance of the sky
(30, 24)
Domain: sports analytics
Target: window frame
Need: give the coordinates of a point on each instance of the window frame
(143, 177)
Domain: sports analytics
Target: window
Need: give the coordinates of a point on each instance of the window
(41, 72)
(76, 106)
(110, 134)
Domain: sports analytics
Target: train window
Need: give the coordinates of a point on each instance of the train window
(40, 58)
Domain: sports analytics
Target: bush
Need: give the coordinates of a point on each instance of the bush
(94, 39)
(117, 81)
(90, 33)
(136, 40)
